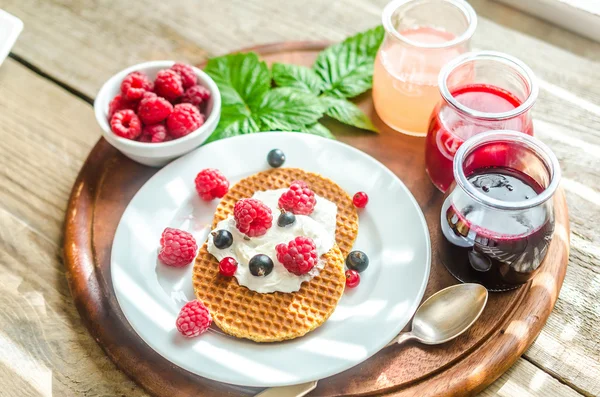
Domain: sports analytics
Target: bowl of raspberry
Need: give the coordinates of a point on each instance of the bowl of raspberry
(156, 111)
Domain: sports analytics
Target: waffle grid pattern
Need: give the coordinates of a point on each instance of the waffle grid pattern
(277, 316)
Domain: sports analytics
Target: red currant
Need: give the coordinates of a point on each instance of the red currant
(352, 278)
(228, 266)
(360, 200)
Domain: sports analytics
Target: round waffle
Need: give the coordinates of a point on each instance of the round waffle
(277, 316)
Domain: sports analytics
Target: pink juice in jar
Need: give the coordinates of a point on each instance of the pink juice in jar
(405, 88)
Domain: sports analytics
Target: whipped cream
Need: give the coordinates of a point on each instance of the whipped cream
(319, 226)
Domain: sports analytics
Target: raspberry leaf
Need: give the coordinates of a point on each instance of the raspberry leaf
(241, 78)
(347, 68)
(318, 129)
(287, 109)
(298, 77)
(235, 120)
(347, 112)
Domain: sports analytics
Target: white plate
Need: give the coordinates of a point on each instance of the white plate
(392, 232)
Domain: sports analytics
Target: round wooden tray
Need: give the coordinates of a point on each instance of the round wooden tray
(509, 324)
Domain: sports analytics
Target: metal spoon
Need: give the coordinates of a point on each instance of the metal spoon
(446, 314)
(442, 317)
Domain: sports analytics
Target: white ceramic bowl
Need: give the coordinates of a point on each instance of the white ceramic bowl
(156, 154)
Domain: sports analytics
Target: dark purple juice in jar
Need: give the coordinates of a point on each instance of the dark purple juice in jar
(500, 250)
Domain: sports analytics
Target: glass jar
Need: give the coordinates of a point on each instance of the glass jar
(481, 91)
(421, 37)
(497, 218)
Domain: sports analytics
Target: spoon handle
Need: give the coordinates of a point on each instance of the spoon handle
(401, 338)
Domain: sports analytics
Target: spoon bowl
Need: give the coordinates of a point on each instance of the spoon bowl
(448, 313)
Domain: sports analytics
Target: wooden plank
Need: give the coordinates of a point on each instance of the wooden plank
(45, 349)
(82, 44)
(526, 380)
(46, 133)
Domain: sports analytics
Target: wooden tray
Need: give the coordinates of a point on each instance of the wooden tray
(509, 324)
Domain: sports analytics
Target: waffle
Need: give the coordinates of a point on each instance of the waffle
(277, 178)
(277, 316)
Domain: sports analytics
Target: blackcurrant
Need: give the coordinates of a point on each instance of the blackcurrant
(286, 218)
(222, 239)
(276, 158)
(260, 265)
(357, 260)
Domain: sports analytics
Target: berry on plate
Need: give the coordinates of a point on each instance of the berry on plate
(357, 260)
(134, 85)
(154, 133)
(168, 84)
(194, 319)
(196, 95)
(360, 200)
(298, 256)
(252, 217)
(154, 109)
(211, 184)
(260, 265)
(276, 158)
(298, 199)
(184, 118)
(187, 74)
(119, 103)
(352, 278)
(286, 218)
(125, 123)
(222, 239)
(228, 266)
(177, 247)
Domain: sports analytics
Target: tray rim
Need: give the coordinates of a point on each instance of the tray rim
(86, 288)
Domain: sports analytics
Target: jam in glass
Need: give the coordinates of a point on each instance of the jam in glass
(497, 219)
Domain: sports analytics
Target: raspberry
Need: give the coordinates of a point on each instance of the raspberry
(194, 319)
(134, 85)
(168, 84)
(154, 109)
(299, 199)
(187, 74)
(196, 95)
(227, 266)
(298, 256)
(352, 278)
(252, 217)
(118, 103)
(125, 123)
(154, 133)
(211, 183)
(360, 200)
(184, 118)
(177, 247)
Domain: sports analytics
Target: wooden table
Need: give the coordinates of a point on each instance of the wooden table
(47, 127)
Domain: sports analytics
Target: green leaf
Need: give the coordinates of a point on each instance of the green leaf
(318, 129)
(287, 109)
(296, 76)
(347, 68)
(241, 78)
(235, 120)
(347, 112)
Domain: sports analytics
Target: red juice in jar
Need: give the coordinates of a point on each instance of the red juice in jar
(481, 91)
(506, 250)
(497, 218)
